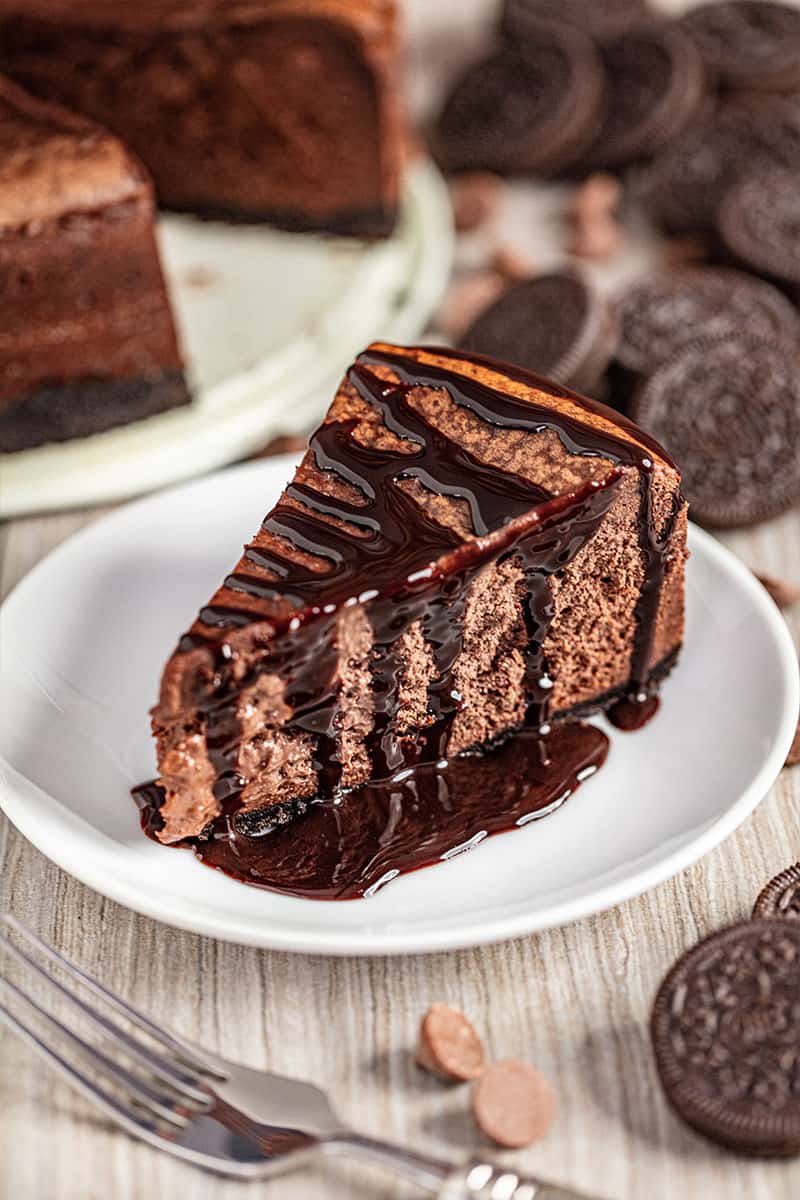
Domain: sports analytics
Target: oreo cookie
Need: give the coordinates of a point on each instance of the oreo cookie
(655, 84)
(759, 225)
(686, 182)
(526, 107)
(781, 896)
(725, 1030)
(593, 16)
(748, 43)
(552, 324)
(728, 411)
(660, 313)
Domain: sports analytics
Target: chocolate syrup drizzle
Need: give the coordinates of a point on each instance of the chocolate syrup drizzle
(389, 554)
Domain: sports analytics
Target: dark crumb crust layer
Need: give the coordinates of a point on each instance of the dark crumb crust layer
(605, 701)
(358, 223)
(60, 411)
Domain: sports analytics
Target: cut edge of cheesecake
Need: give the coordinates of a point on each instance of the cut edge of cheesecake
(71, 164)
(81, 275)
(569, 472)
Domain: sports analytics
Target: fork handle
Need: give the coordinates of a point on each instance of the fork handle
(480, 1180)
(474, 1180)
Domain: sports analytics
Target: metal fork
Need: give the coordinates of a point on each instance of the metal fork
(215, 1114)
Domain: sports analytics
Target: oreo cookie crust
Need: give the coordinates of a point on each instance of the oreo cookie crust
(684, 185)
(655, 83)
(594, 17)
(748, 43)
(526, 107)
(781, 896)
(728, 411)
(759, 225)
(661, 312)
(552, 324)
(725, 1029)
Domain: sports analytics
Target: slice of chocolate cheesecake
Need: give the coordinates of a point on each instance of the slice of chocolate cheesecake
(465, 550)
(285, 111)
(87, 340)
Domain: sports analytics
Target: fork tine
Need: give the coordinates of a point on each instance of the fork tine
(155, 1102)
(182, 1081)
(134, 1122)
(184, 1052)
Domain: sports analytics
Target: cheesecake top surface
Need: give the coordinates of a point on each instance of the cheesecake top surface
(533, 389)
(368, 16)
(428, 462)
(54, 163)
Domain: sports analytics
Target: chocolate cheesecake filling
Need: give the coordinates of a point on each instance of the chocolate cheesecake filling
(381, 594)
(87, 340)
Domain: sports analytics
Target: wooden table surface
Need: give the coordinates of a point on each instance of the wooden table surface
(574, 1001)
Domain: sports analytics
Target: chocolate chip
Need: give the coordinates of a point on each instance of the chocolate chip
(781, 896)
(726, 1035)
(598, 239)
(448, 1044)
(601, 193)
(199, 277)
(513, 1104)
(596, 235)
(476, 198)
(511, 264)
(466, 298)
(783, 593)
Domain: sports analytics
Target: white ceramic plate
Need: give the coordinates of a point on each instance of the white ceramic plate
(268, 321)
(85, 635)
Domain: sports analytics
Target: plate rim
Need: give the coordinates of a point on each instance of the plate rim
(364, 942)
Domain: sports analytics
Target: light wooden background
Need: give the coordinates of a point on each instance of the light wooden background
(573, 1001)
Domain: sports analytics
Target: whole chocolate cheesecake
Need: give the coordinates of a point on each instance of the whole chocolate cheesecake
(87, 340)
(466, 550)
(276, 110)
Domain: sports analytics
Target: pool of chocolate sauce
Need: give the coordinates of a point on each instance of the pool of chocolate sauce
(351, 846)
(632, 712)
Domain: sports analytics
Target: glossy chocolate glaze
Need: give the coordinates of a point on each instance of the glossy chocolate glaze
(351, 846)
(388, 552)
